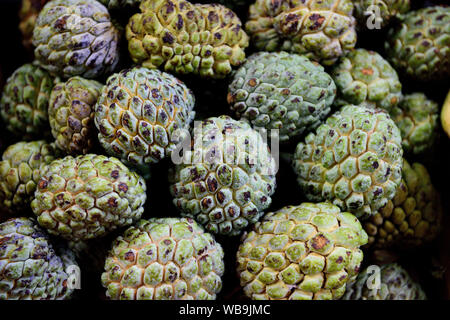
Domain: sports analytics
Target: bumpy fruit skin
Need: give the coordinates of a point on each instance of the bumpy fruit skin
(164, 259)
(71, 114)
(321, 30)
(120, 4)
(420, 46)
(186, 38)
(385, 11)
(227, 180)
(76, 38)
(28, 14)
(88, 196)
(24, 102)
(445, 115)
(140, 114)
(412, 218)
(353, 160)
(29, 267)
(396, 284)
(301, 252)
(364, 78)
(20, 170)
(417, 119)
(281, 91)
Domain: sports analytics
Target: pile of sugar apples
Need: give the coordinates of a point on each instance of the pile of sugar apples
(227, 149)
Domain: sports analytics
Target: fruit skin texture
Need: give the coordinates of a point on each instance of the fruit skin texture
(29, 267)
(164, 259)
(388, 9)
(412, 218)
(88, 196)
(71, 114)
(28, 14)
(420, 46)
(20, 170)
(396, 284)
(227, 180)
(138, 114)
(445, 115)
(353, 160)
(417, 119)
(24, 103)
(281, 91)
(364, 78)
(180, 37)
(76, 38)
(321, 30)
(305, 252)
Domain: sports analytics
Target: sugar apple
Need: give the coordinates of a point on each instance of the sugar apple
(281, 91)
(227, 180)
(395, 284)
(445, 115)
(321, 30)
(417, 119)
(28, 14)
(20, 170)
(412, 218)
(420, 46)
(30, 269)
(363, 77)
(140, 114)
(164, 259)
(88, 196)
(181, 37)
(76, 38)
(301, 252)
(24, 103)
(353, 160)
(71, 114)
(379, 13)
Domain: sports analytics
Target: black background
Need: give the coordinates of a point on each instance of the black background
(211, 101)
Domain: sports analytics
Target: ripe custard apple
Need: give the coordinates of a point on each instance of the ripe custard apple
(412, 218)
(226, 181)
(180, 37)
(305, 252)
(24, 103)
(321, 30)
(76, 38)
(395, 284)
(71, 114)
(354, 160)
(417, 119)
(20, 170)
(88, 196)
(363, 77)
(29, 11)
(420, 45)
(30, 269)
(445, 115)
(379, 13)
(140, 114)
(284, 91)
(164, 259)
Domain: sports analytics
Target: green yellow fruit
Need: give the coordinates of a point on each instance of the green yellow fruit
(281, 91)
(88, 196)
(321, 30)
(353, 160)
(180, 37)
(143, 114)
(445, 115)
(29, 11)
(305, 252)
(164, 259)
(226, 181)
